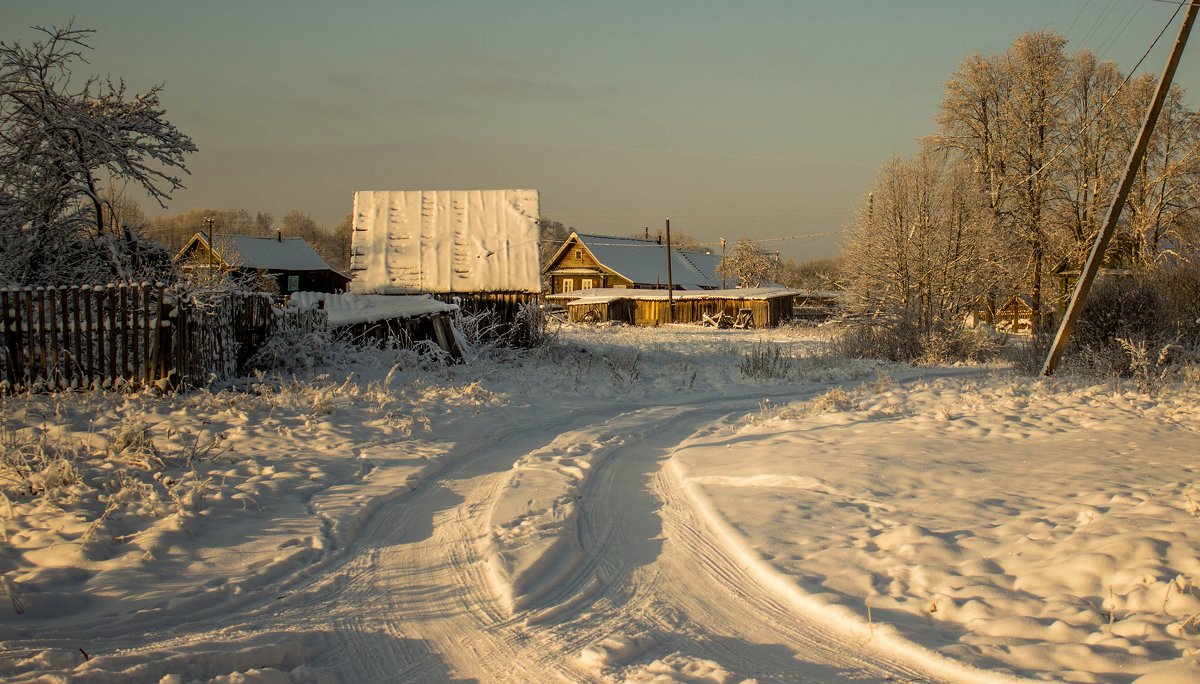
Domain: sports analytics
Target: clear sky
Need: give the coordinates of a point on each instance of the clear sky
(735, 119)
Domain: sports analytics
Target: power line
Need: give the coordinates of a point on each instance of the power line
(1104, 107)
(1107, 44)
(1077, 16)
(1099, 21)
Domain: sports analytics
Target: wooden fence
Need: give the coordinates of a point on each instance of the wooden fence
(126, 335)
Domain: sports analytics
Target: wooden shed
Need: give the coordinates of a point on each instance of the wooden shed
(763, 307)
(1016, 314)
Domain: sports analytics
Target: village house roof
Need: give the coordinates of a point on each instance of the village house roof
(644, 261)
(267, 253)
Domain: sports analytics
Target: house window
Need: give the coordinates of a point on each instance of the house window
(579, 255)
(585, 284)
(568, 285)
(293, 283)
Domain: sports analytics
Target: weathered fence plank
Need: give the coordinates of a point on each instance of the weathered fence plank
(127, 335)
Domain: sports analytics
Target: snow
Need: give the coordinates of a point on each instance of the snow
(278, 253)
(350, 308)
(412, 241)
(621, 506)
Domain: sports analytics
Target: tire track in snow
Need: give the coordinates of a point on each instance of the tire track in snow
(645, 576)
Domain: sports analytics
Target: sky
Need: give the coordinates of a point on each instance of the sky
(765, 120)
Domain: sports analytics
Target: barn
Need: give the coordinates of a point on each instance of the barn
(478, 249)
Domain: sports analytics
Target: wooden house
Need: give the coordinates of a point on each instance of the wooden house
(290, 263)
(602, 262)
(759, 307)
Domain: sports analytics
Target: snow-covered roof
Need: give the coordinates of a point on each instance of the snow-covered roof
(346, 309)
(409, 241)
(600, 295)
(270, 253)
(644, 261)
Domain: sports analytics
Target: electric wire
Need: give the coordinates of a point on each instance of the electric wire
(1104, 107)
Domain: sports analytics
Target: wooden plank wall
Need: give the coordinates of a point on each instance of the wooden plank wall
(126, 335)
(652, 312)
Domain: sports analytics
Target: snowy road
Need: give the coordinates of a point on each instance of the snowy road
(632, 508)
(413, 600)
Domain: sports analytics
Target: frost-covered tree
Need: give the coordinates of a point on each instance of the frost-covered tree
(749, 265)
(60, 142)
(1047, 135)
(917, 260)
(813, 274)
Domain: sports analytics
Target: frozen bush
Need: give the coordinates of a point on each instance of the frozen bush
(1130, 309)
(302, 340)
(765, 361)
(900, 339)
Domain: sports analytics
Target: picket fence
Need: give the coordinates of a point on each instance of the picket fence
(127, 335)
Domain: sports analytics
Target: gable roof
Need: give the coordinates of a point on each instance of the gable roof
(645, 261)
(268, 253)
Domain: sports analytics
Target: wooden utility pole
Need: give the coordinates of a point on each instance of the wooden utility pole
(670, 284)
(209, 222)
(722, 263)
(1096, 256)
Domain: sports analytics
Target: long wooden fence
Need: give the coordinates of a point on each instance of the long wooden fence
(126, 335)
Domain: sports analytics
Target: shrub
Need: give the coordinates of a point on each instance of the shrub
(302, 340)
(1128, 309)
(900, 339)
(765, 361)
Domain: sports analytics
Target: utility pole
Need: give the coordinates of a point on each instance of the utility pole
(1096, 256)
(209, 222)
(722, 263)
(670, 284)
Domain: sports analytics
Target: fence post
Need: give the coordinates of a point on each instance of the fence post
(147, 321)
(12, 340)
(95, 313)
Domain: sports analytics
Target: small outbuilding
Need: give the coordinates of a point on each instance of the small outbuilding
(400, 320)
(1016, 314)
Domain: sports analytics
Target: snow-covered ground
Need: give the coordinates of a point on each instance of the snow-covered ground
(680, 504)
